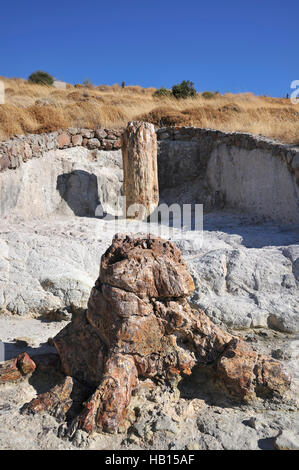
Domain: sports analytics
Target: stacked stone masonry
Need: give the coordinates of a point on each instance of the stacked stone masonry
(210, 138)
(24, 147)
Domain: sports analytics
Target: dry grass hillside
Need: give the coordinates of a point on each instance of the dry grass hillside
(37, 108)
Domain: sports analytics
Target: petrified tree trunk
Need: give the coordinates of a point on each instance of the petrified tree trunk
(15, 369)
(139, 150)
(139, 325)
(57, 401)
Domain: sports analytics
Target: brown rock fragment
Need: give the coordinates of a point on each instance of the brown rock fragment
(77, 139)
(15, 369)
(56, 402)
(63, 140)
(245, 373)
(236, 367)
(139, 324)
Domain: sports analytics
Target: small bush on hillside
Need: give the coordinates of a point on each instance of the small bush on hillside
(87, 83)
(40, 77)
(208, 95)
(184, 90)
(162, 92)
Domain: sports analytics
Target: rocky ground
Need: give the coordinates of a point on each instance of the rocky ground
(246, 277)
(192, 417)
(246, 274)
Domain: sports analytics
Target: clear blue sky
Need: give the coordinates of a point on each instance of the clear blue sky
(228, 45)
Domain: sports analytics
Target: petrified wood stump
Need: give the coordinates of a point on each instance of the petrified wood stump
(139, 151)
(139, 325)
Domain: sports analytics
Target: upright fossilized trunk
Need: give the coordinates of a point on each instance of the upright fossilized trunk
(139, 150)
(139, 325)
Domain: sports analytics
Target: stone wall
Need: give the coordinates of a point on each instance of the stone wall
(215, 168)
(234, 170)
(22, 148)
(210, 138)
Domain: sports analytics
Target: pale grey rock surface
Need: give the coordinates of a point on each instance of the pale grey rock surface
(246, 272)
(247, 288)
(49, 265)
(255, 181)
(246, 275)
(63, 182)
(287, 440)
(232, 170)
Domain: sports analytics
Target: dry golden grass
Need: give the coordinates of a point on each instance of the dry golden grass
(38, 108)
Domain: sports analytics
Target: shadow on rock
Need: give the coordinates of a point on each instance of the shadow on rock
(79, 189)
(48, 372)
(202, 384)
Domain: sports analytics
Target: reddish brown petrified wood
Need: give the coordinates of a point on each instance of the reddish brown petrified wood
(139, 324)
(57, 401)
(15, 369)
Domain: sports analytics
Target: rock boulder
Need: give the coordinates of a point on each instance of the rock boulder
(139, 324)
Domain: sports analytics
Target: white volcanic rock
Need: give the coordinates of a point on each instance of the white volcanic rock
(45, 273)
(248, 287)
(66, 182)
(52, 264)
(246, 273)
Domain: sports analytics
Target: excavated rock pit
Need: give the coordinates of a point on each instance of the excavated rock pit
(139, 325)
(245, 273)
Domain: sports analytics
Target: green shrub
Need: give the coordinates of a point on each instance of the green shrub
(162, 92)
(184, 90)
(87, 83)
(208, 95)
(40, 77)
(123, 84)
